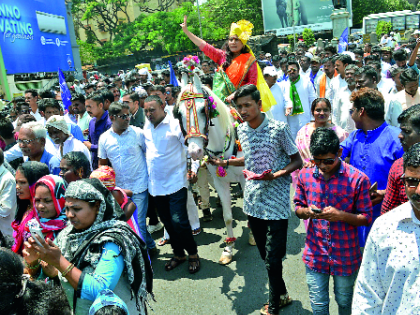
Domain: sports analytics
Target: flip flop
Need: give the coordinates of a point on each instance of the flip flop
(173, 263)
(194, 265)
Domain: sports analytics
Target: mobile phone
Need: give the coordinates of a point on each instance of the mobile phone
(36, 231)
(316, 210)
(374, 187)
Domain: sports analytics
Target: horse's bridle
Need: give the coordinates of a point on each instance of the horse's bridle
(193, 131)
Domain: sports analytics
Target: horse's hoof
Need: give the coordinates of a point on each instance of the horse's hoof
(226, 258)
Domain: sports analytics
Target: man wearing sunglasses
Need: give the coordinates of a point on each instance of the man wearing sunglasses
(123, 147)
(395, 195)
(373, 147)
(334, 197)
(388, 281)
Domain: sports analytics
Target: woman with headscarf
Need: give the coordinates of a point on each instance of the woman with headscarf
(95, 248)
(26, 176)
(237, 64)
(49, 218)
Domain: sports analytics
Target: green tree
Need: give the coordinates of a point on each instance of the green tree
(362, 8)
(383, 28)
(308, 37)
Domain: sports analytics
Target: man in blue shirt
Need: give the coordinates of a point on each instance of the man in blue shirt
(373, 147)
(98, 125)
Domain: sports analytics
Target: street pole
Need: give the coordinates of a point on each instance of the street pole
(293, 21)
(199, 19)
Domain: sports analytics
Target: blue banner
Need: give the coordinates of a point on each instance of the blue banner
(35, 36)
(343, 41)
(173, 80)
(65, 92)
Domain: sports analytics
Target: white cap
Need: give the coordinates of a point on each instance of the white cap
(271, 71)
(268, 55)
(416, 32)
(143, 71)
(309, 55)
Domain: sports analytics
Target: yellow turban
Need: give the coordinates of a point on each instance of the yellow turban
(242, 29)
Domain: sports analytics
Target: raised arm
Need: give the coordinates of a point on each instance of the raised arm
(195, 39)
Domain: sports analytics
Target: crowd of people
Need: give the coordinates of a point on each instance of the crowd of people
(78, 184)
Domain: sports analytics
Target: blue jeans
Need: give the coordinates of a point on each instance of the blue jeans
(318, 284)
(142, 200)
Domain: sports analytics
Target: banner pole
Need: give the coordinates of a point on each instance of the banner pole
(3, 78)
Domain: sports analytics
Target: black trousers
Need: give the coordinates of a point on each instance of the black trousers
(172, 210)
(271, 239)
(151, 212)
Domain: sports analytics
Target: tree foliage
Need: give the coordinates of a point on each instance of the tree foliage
(362, 8)
(308, 37)
(383, 28)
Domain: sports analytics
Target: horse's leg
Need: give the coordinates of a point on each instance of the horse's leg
(223, 189)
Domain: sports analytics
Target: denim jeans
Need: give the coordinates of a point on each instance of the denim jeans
(318, 284)
(141, 200)
(172, 210)
(271, 239)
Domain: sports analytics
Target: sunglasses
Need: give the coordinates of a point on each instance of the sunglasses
(26, 142)
(410, 181)
(291, 70)
(324, 161)
(125, 116)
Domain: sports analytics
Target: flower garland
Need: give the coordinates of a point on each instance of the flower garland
(220, 170)
(213, 107)
(191, 62)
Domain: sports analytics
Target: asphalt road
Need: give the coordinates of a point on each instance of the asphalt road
(238, 288)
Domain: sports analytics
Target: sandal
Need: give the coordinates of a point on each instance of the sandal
(284, 301)
(164, 241)
(196, 231)
(194, 265)
(173, 263)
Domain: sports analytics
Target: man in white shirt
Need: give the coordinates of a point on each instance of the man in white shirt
(339, 82)
(306, 95)
(59, 133)
(123, 147)
(32, 97)
(283, 105)
(83, 118)
(166, 159)
(323, 81)
(410, 95)
(383, 84)
(7, 200)
(341, 115)
(305, 65)
(389, 277)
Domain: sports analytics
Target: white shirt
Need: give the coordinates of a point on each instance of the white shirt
(73, 144)
(385, 85)
(37, 116)
(407, 100)
(126, 154)
(7, 201)
(393, 109)
(337, 83)
(341, 115)
(282, 101)
(327, 86)
(385, 66)
(83, 122)
(389, 277)
(166, 157)
(305, 73)
(307, 94)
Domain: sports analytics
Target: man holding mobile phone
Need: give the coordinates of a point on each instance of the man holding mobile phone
(335, 197)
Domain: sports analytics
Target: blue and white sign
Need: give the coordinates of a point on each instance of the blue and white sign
(35, 36)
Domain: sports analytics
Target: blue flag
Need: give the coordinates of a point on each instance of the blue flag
(343, 41)
(173, 80)
(65, 92)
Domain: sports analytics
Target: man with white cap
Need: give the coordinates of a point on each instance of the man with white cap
(144, 75)
(283, 106)
(60, 135)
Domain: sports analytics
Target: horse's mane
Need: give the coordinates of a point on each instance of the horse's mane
(225, 118)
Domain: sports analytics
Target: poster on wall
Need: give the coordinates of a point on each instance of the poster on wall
(313, 14)
(35, 36)
(412, 21)
(398, 23)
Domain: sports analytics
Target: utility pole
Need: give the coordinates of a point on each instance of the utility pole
(293, 24)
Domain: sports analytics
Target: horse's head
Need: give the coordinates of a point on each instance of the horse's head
(192, 110)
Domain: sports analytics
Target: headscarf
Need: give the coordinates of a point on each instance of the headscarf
(33, 171)
(57, 187)
(106, 175)
(58, 122)
(107, 298)
(107, 228)
(242, 29)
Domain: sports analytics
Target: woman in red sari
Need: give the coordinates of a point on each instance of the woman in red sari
(235, 59)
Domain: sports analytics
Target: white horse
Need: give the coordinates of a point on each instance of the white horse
(214, 137)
